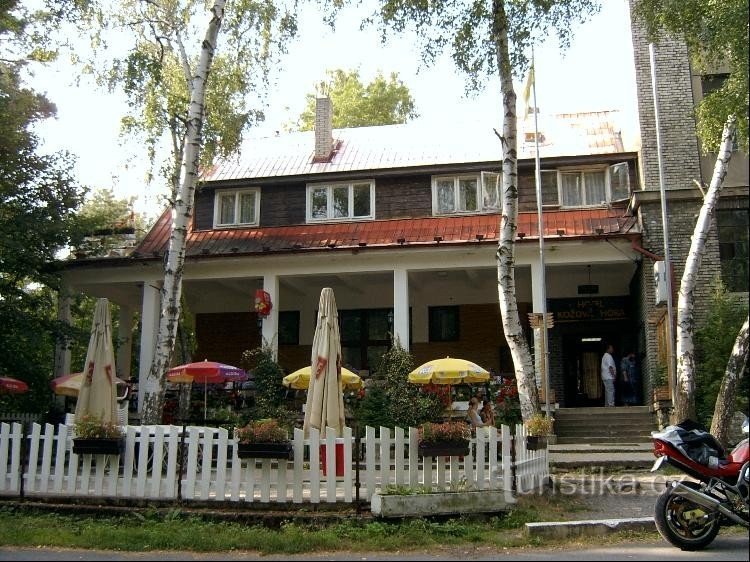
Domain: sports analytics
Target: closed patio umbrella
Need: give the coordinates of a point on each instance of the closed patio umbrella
(325, 399)
(97, 396)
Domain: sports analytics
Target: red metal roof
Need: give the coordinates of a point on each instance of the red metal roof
(574, 223)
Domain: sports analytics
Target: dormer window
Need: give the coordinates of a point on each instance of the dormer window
(470, 193)
(590, 187)
(341, 201)
(239, 207)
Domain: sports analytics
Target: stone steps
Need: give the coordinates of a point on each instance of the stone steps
(600, 425)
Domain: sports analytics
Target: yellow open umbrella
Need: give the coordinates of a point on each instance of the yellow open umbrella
(300, 379)
(70, 385)
(449, 370)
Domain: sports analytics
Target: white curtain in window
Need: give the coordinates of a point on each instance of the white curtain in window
(572, 192)
(596, 188)
(226, 209)
(247, 208)
(446, 202)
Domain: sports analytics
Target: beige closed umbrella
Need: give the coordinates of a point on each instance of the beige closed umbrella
(97, 396)
(325, 399)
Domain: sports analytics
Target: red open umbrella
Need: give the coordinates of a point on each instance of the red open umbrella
(206, 372)
(9, 385)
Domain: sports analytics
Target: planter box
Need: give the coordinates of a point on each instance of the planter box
(440, 503)
(443, 449)
(537, 442)
(265, 451)
(98, 446)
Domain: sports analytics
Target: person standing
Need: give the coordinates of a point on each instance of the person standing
(629, 379)
(472, 414)
(609, 374)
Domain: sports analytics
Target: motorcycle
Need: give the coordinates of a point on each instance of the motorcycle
(689, 514)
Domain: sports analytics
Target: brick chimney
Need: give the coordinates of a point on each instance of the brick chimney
(323, 129)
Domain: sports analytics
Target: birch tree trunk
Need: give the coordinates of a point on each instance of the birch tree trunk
(527, 391)
(725, 401)
(684, 407)
(182, 212)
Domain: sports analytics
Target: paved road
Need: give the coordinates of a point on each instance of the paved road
(732, 546)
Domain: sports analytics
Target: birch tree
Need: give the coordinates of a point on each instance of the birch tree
(717, 35)
(485, 39)
(684, 407)
(173, 103)
(725, 399)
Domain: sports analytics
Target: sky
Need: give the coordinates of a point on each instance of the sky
(595, 73)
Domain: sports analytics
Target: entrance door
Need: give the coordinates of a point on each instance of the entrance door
(583, 385)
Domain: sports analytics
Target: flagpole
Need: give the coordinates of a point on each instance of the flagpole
(544, 352)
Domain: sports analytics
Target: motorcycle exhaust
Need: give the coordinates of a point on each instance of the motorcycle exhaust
(706, 501)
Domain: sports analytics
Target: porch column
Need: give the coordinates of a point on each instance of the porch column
(537, 296)
(149, 329)
(269, 332)
(401, 307)
(62, 345)
(124, 342)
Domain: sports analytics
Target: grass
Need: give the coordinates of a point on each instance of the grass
(177, 530)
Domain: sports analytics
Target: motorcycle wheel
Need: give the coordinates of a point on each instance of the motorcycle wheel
(683, 523)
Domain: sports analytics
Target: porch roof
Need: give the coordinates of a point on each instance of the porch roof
(561, 224)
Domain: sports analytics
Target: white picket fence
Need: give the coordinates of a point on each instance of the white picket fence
(149, 466)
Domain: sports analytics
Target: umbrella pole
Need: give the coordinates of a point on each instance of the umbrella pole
(205, 396)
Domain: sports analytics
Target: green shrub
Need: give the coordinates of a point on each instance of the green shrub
(714, 340)
(406, 404)
(268, 376)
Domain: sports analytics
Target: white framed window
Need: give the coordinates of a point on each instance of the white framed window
(470, 193)
(238, 207)
(593, 186)
(341, 201)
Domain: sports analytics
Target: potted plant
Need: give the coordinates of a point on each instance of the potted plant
(538, 431)
(93, 436)
(263, 439)
(446, 439)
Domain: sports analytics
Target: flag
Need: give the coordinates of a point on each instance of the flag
(527, 91)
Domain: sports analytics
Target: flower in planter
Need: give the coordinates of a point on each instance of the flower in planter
(457, 432)
(539, 425)
(92, 427)
(262, 431)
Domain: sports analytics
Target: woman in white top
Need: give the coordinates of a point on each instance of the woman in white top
(473, 414)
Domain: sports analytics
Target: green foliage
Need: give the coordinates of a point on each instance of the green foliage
(372, 410)
(406, 404)
(156, 71)
(268, 376)
(381, 102)
(717, 35)
(471, 30)
(38, 198)
(105, 222)
(170, 529)
(714, 340)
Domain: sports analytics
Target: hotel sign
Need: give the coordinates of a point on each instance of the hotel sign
(589, 309)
